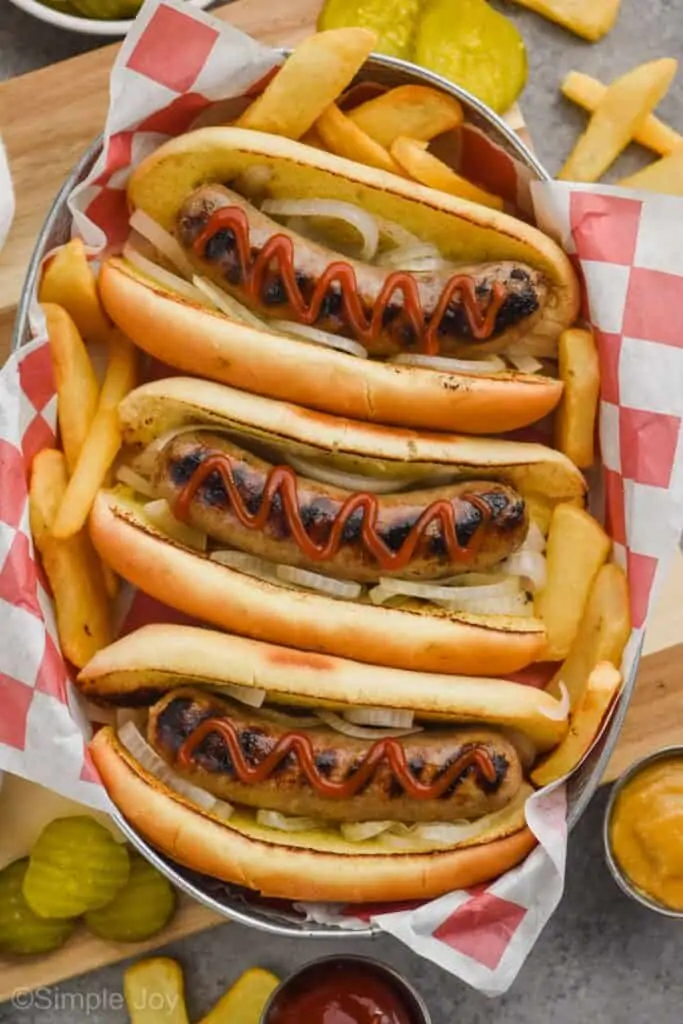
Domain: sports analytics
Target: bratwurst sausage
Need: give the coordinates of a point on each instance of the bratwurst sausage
(294, 522)
(280, 274)
(223, 747)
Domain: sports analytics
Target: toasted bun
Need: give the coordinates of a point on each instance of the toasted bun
(432, 640)
(280, 870)
(158, 658)
(321, 378)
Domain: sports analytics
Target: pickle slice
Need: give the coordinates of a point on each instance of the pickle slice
(76, 865)
(107, 10)
(141, 909)
(392, 20)
(22, 931)
(475, 47)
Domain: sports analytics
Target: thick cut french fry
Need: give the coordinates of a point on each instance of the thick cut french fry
(577, 548)
(665, 175)
(343, 137)
(579, 369)
(315, 75)
(102, 443)
(617, 118)
(585, 723)
(413, 111)
(72, 566)
(78, 389)
(590, 19)
(245, 1002)
(602, 636)
(589, 93)
(68, 281)
(154, 990)
(416, 161)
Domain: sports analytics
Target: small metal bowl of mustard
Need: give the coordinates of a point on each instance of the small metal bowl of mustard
(643, 831)
(345, 989)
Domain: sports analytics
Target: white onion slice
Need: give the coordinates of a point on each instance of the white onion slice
(159, 513)
(175, 284)
(385, 718)
(419, 257)
(559, 713)
(397, 234)
(347, 481)
(128, 476)
(487, 365)
(435, 592)
(361, 831)
(361, 732)
(333, 209)
(529, 565)
(226, 304)
(242, 561)
(134, 743)
(249, 695)
(286, 823)
(525, 363)
(535, 539)
(162, 241)
(314, 581)
(312, 334)
(138, 716)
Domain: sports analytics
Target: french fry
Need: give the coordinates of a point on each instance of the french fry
(665, 176)
(617, 118)
(577, 548)
(154, 990)
(414, 111)
(602, 636)
(589, 93)
(315, 75)
(585, 722)
(68, 281)
(102, 444)
(78, 389)
(343, 137)
(72, 567)
(579, 369)
(413, 157)
(245, 1001)
(590, 19)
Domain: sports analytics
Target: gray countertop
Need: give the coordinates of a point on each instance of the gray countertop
(601, 958)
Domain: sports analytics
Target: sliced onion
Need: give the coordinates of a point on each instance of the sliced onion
(488, 365)
(508, 604)
(138, 716)
(434, 592)
(159, 513)
(525, 363)
(535, 539)
(226, 304)
(559, 713)
(165, 278)
(314, 581)
(397, 234)
(162, 241)
(361, 831)
(333, 209)
(418, 258)
(388, 718)
(134, 743)
(528, 565)
(249, 695)
(126, 475)
(287, 823)
(361, 732)
(351, 348)
(347, 481)
(242, 561)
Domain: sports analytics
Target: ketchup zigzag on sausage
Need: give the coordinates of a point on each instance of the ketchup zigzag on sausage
(257, 775)
(493, 282)
(298, 528)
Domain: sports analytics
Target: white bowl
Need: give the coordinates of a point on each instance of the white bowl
(86, 26)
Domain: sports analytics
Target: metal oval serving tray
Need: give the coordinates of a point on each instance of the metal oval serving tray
(280, 917)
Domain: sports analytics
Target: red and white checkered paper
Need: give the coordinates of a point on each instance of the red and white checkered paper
(174, 64)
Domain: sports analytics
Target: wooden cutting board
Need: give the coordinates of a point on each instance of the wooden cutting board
(44, 141)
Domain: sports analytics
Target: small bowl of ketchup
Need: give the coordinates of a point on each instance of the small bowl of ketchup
(345, 990)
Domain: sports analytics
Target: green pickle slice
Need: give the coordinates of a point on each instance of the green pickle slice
(76, 865)
(141, 909)
(475, 47)
(392, 20)
(107, 10)
(22, 931)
